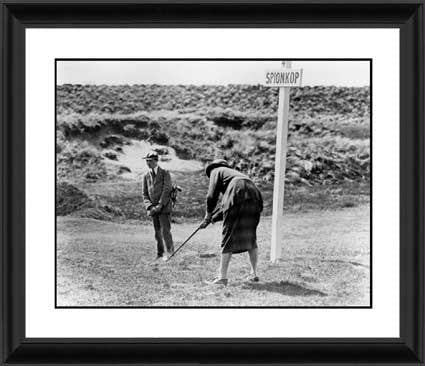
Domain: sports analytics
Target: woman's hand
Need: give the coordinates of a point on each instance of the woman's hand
(206, 221)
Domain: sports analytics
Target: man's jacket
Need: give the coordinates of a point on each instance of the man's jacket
(157, 191)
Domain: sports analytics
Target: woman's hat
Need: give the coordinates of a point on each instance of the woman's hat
(215, 164)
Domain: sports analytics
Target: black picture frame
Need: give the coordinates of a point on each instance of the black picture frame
(407, 16)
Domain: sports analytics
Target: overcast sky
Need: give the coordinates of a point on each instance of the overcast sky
(338, 73)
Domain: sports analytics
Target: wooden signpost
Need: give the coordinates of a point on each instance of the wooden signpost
(284, 78)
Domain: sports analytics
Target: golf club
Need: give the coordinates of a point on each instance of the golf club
(190, 236)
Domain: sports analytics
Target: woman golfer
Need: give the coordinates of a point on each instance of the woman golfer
(241, 206)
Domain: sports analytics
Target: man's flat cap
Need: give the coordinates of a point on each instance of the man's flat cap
(153, 155)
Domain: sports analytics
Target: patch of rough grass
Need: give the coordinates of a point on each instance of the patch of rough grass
(126, 196)
(79, 160)
(128, 99)
(245, 138)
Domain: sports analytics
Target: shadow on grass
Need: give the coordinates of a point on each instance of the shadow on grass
(357, 264)
(284, 288)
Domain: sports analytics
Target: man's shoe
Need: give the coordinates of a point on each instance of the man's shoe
(158, 257)
(253, 279)
(164, 258)
(218, 281)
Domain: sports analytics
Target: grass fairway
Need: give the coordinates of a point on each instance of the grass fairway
(326, 262)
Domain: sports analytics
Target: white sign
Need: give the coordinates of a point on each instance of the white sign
(283, 78)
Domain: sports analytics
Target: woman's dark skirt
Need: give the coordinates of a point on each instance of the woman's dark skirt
(240, 227)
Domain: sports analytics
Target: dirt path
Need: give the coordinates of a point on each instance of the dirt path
(325, 263)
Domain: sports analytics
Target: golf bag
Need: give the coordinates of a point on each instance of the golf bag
(173, 195)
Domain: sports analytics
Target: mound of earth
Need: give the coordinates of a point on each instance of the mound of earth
(99, 211)
(72, 201)
(69, 198)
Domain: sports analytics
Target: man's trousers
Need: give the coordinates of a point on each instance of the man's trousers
(162, 226)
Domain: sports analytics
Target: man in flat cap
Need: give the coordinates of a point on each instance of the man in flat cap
(156, 190)
(241, 205)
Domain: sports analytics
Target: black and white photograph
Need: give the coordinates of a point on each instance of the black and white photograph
(213, 183)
